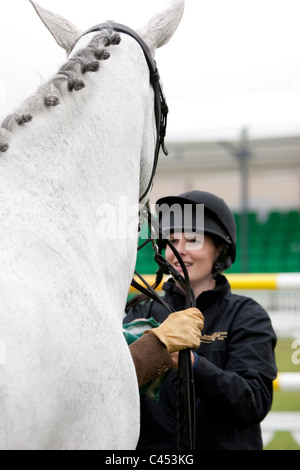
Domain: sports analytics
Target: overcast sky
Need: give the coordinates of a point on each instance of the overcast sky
(231, 63)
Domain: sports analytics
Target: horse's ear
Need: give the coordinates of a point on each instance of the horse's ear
(161, 27)
(63, 31)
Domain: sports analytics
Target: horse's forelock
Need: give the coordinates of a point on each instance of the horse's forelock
(68, 78)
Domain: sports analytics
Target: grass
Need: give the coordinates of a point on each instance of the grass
(283, 441)
(285, 401)
(283, 354)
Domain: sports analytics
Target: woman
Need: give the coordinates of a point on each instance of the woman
(234, 367)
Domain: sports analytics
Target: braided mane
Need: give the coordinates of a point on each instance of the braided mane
(67, 79)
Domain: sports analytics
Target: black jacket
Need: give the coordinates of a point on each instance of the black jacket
(233, 375)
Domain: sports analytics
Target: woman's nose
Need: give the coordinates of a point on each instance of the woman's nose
(181, 246)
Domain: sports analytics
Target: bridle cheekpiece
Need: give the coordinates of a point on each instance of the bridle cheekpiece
(160, 105)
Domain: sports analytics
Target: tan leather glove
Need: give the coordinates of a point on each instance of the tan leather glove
(180, 330)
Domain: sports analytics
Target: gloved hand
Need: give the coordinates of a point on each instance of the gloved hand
(180, 330)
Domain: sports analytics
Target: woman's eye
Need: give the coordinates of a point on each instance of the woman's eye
(195, 243)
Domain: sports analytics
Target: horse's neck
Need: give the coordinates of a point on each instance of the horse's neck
(79, 156)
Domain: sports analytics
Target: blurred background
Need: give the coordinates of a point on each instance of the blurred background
(231, 75)
(260, 180)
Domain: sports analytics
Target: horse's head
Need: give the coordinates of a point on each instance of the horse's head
(70, 381)
(155, 34)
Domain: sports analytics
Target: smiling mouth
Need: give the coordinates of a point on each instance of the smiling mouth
(187, 265)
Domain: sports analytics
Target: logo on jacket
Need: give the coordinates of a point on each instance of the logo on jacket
(220, 336)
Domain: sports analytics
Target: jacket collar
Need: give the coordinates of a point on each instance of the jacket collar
(176, 296)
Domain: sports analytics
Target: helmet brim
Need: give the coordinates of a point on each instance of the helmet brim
(210, 225)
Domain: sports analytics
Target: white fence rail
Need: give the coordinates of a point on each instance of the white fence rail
(281, 421)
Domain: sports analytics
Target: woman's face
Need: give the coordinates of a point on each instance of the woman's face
(198, 257)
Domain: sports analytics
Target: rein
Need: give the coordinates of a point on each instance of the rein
(185, 396)
(185, 386)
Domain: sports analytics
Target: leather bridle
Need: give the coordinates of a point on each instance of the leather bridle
(186, 396)
(160, 104)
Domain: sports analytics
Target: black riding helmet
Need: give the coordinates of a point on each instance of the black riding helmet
(218, 222)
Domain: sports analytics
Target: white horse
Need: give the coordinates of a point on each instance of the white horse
(69, 381)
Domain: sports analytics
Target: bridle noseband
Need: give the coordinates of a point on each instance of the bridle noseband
(160, 104)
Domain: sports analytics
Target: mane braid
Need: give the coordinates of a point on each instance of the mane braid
(68, 78)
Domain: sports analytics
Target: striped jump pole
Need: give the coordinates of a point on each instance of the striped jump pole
(287, 381)
(279, 281)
